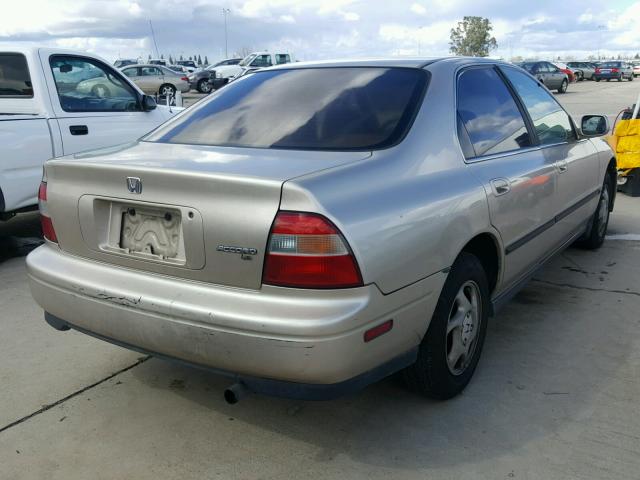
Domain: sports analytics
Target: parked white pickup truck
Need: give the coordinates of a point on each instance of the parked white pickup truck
(58, 102)
(222, 75)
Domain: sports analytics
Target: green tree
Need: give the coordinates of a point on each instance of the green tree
(199, 61)
(637, 57)
(206, 60)
(170, 59)
(181, 57)
(149, 56)
(162, 56)
(472, 37)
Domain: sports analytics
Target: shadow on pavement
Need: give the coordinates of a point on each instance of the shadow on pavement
(19, 235)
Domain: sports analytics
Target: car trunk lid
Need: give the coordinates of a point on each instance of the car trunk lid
(195, 212)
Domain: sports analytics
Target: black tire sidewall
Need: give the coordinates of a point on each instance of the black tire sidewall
(430, 374)
(202, 82)
(592, 238)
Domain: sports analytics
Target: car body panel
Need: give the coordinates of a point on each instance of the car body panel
(405, 211)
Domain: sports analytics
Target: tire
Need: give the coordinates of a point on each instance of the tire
(631, 78)
(563, 86)
(437, 373)
(166, 89)
(101, 91)
(597, 79)
(593, 238)
(579, 76)
(204, 86)
(620, 78)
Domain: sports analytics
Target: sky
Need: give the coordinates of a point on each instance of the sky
(321, 29)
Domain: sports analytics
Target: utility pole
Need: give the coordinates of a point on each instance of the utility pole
(153, 36)
(225, 12)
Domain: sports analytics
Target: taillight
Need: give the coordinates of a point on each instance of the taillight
(306, 250)
(185, 79)
(47, 225)
(614, 70)
(597, 70)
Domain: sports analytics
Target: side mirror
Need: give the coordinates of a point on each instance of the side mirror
(148, 103)
(594, 125)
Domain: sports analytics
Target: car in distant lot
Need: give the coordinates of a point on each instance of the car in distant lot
(583, 70)
(548, 74)
(123, 62)
(614, 70)
(566, 70)
(189, 65)
(156, 79)
(56, 102)
(200, 80)
(315, 227)
(223, 74)
(636, 68)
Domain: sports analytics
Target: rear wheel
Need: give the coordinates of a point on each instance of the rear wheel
(204, 86)
(166, 90)
(631, 78)
(597, 79)
(597, 228)
(620, 78)
(451, 348)
(563, 86)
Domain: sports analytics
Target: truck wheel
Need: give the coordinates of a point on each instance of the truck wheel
(451, 348)
(204, 86)
(593, 238)
(167, 89)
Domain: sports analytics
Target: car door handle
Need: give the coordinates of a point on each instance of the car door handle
(79, 129)
(563, 166)
(500, 186)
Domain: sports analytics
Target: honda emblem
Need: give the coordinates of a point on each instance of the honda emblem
(134, 185)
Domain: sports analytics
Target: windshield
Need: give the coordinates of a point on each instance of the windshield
(247, 60)
(350, 109)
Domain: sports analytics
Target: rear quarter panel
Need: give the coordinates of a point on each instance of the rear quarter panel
(408, 211)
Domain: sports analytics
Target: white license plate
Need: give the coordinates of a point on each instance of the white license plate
(149, 232)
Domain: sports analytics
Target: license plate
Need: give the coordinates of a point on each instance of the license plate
(148, 232)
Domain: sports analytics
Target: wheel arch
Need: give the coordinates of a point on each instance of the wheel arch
(487, 248)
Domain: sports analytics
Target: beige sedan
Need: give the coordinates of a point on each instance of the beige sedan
(154, 79)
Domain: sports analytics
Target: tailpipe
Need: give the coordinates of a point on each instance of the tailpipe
(235, 393)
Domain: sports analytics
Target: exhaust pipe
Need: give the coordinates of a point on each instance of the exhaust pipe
(235, 393)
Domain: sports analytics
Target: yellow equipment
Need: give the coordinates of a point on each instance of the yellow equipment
(625, 141)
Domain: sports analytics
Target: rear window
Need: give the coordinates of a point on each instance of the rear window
(610, 65)
(14, 76)
(346, 108)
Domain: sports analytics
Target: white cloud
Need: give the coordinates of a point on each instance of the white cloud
(418, 9)
(287, 19)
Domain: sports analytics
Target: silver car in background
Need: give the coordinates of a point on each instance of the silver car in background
(547, 73)
(157, 79)
(308, 245)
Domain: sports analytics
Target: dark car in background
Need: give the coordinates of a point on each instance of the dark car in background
(583, 70)
(200, 80)
(548, 74)
(618, 70)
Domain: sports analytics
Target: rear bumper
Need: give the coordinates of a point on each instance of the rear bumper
(609, 76)
(287, 335)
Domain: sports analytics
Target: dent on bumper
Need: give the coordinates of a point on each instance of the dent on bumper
(290, 335)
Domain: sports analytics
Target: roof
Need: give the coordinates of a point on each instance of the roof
(406, 62)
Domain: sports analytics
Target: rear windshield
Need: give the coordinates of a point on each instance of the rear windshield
(14, 76)
(346, 108)
(610, 65)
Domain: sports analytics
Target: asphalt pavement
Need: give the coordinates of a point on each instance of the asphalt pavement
(555, 395)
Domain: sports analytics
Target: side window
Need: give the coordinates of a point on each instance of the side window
(150, 71)
(130, 72)
(262, 61)
(552, 68)
(489, 114)
(550, 121)
(88, 85)
(282, 58)
(14, 76)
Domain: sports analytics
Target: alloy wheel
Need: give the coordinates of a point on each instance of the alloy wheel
(463, 327)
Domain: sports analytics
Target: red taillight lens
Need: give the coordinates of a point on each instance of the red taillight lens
(597, 70)
(47, 229)
(185, 79)
(614, 70)
(307, 251)
(47, 225)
